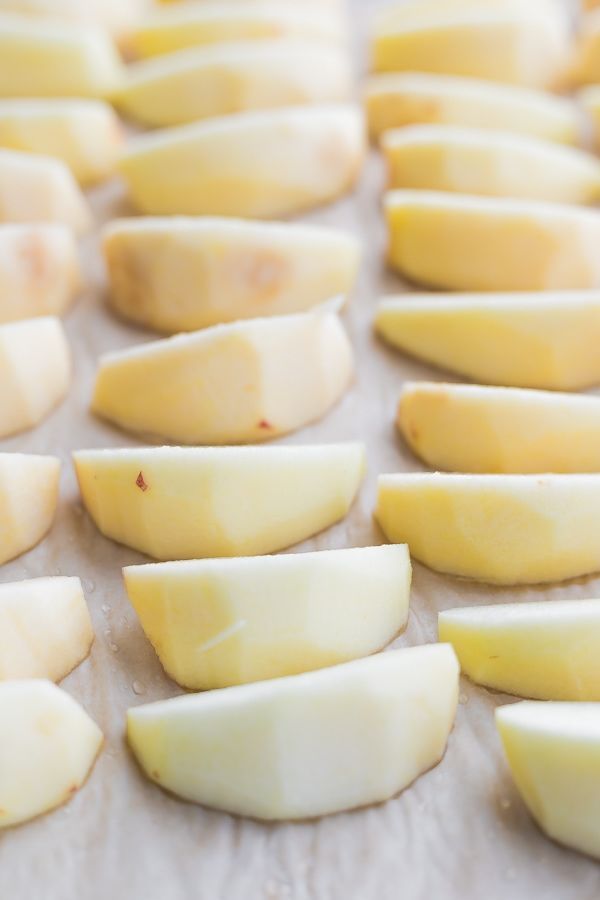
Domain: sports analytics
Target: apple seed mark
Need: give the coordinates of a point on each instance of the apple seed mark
(141, 483)
(222, 636)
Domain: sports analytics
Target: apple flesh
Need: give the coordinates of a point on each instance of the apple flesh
(28, 498)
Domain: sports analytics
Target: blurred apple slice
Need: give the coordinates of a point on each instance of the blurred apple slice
(28, 498)
(115, 15)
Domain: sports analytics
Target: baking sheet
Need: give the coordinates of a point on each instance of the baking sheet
(459, 832)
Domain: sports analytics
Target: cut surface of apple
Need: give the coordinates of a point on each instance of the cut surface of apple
(307, 745)
(191, 502)
(494, 164)
(589, 98)
(28, 498)
(45, 628)
(475, 428)
(235, 383)
(553, 750)
(530, 340)
(492, 244)
(256, 164)
(220, 622)
(233, 77)
(500, 529)
(48, 747)
(182, 274)
(35, 370)
(545, 650)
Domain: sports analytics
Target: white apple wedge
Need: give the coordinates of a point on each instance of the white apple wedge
(220, 622)
(48, 748)
(264, 164)
(230, 384)
(28, 498)
(35, 370)
(191, 502)
(545, 650)
(308, 745)
(553, 750)
(475, 428)
(530, 340)
(182, 274)
(45, 628)
(500, 529)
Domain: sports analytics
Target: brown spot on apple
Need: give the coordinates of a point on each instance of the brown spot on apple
(33, 252)
(141, 483)
(155, 774)
(265, 425)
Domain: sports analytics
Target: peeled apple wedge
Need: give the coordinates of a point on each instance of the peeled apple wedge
(48, 747)
(84, 134)
(256, 164)
(494, 164)
(536, 340)
(40, 189)
(181, 274)
(45, 628)
(192, 502)
(471, 428)
(304, 746)
(553, 750)
(500, 529)
(395, 99)
(28, 498)
(35, 370)
(230, 384)
(547, 650)
(39, 270)
(47, 58)
(492, 244)
(220, 622)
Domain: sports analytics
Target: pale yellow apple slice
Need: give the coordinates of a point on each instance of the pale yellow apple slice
(536, 340)
(545, 650)
(191, 502)
(220, 622)
(308, 745)
(475, 428)
(45, 628)
(84, 134)
(229, 384)
(48, 747)
(553, 750)
(233, 77)
(28, 498)
(181, 274)
(256, 164)
(35, 370)
(46, 58)
(494, 164)
(395, 99)
(492, 244)
(502, 529)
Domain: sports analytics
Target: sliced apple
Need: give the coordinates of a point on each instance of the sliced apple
(115, 15)
(45, 628)
(553, 750)
(492, 244)
(256, 164)
(589, 99)
(28, 498)
(191, 502)
(413, 12)
(501, 529)
(586, 69)
(48, 747)
(308, 745)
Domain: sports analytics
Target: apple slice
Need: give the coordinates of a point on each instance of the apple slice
(413, 12)
(553, 750)
(589, 99)
(472, 428)
(28, 498)
(500, 529)
(256, 164)
(308, 745)
(226, 78)
(219, 622)
(230, 384)
(537, 340)
(115, 15)
(49, 744)
(586, 69)
(35, 370)
(479, 242)
(546, 650)
(494, 164)
(182, 274)
(189, 502)
(45, 628)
